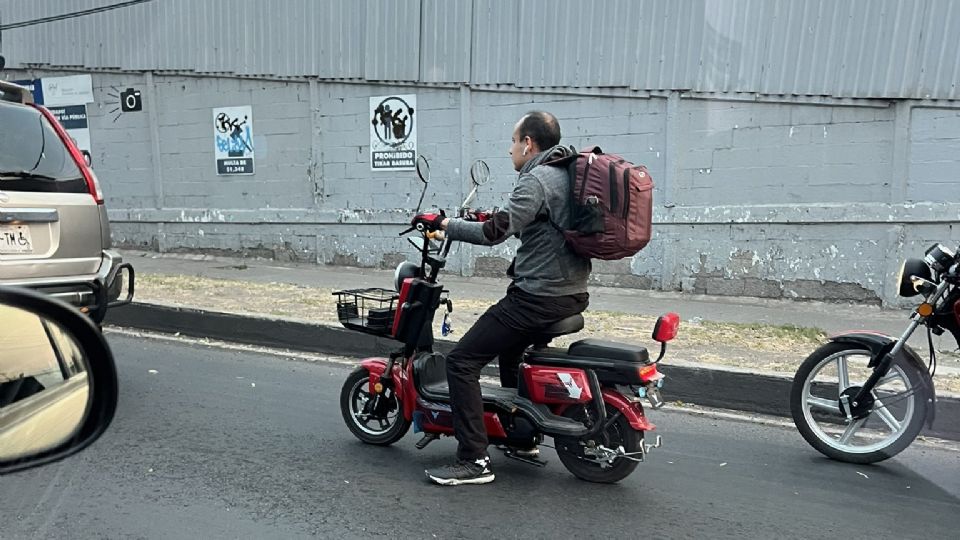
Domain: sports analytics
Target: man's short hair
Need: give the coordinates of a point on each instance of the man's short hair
(542, 127)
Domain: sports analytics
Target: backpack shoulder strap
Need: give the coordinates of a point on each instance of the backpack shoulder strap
(570, 163)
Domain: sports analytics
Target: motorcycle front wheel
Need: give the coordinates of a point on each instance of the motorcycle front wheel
(896, 408)
(357, 407)
(578, 455)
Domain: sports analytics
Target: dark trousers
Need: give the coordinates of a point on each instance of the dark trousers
(505, 330)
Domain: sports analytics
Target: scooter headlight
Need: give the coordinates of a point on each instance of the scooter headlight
(404, 270)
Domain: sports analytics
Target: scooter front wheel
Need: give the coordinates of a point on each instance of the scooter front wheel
(372, 422)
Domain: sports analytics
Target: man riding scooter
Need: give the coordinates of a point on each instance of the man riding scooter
(549, 284)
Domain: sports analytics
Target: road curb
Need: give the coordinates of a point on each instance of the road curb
(749, 392)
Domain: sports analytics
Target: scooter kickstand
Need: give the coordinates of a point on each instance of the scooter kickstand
(427, 439)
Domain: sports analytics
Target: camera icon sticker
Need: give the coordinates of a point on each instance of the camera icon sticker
(130, 101)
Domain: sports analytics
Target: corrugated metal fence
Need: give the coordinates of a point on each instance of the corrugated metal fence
(840, 48)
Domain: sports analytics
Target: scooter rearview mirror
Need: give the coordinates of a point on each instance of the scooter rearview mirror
(480, 172)
(423, 169)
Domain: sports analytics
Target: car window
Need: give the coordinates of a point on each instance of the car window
(32, 156)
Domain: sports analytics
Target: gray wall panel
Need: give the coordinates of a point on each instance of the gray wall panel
(854, 49)
(445, 40)
(939, 70)
(495, 53)
(340, 32)
(392, 40)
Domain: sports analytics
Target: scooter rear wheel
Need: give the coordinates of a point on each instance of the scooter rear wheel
(618, 432)
(356, 406)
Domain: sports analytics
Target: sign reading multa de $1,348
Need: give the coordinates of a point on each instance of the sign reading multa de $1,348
(393, 133)
(233, 139)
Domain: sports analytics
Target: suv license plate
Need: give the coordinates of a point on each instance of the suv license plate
(15, 239)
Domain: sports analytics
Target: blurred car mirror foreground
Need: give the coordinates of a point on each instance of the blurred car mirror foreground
(58, 382)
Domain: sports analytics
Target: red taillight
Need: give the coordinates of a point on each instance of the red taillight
(666, 328)
(93, 184)
(649, 373)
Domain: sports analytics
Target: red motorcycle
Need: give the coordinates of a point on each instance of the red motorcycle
(586, 397)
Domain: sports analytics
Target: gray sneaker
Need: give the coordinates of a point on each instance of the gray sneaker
(462, 472)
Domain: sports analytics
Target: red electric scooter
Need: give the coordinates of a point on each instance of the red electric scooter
(586, 397)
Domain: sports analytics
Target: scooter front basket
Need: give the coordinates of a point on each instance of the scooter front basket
(370, 310)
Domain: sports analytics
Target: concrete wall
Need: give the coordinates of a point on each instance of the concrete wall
(799, 198)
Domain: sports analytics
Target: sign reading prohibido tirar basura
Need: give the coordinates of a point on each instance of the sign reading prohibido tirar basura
(233, 139)
(393, 133)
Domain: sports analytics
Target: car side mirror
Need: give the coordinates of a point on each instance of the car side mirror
(58, 381)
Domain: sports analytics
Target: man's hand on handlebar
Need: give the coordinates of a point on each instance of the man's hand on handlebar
(429, 221)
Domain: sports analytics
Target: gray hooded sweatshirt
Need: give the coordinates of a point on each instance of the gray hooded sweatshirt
(544, 265)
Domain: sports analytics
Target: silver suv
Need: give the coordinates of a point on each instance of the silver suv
(54, 232)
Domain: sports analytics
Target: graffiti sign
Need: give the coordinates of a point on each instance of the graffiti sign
(393, 133)
(233, 139)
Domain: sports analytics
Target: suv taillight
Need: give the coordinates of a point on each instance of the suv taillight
(93, 184)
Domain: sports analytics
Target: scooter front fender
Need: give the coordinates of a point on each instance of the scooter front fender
(880, 345)
(376, 368)
(631, 410)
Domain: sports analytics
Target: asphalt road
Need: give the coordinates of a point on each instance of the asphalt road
(227, 444)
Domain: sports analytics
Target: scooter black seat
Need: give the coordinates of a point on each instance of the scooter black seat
(598, 348)
(430, 369)
(570, 325)
(563, 327)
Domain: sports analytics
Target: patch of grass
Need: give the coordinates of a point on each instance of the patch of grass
(775, 331)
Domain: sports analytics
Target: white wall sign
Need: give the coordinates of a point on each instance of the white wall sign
(393, 133)
(233, 140)
(73, 90)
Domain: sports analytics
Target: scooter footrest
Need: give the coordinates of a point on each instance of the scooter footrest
(501, 397)
(528, 460)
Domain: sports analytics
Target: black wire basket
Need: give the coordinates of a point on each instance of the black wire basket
(367, 310)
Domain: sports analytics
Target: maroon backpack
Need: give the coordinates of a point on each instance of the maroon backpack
(610, 205)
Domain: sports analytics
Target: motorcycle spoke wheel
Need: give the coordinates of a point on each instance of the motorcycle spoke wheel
(896, 405)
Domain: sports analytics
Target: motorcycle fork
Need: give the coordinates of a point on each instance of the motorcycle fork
(886, 358)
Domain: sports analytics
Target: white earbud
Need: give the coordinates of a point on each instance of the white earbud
(525, 150)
